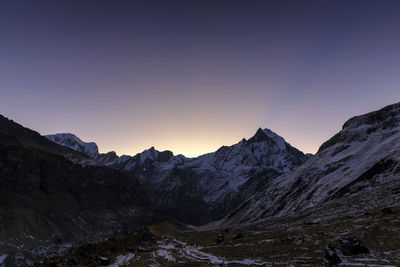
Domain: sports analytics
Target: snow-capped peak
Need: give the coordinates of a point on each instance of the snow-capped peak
(219, 177)
(278, 139)
(73, 142)
(267, 135)
(150, 153)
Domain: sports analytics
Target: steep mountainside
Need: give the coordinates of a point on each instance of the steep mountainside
(356, 162)
(33, 139)
(47, 200)
(199, 190)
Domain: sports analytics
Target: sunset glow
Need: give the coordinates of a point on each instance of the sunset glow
(132, 76)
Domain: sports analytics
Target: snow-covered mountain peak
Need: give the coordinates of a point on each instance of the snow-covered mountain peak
(259, 136)
(269, 137)
(212, 180)
(265, 149)
(75, 143)
(278, 139)
(359, 158)
(150, 153)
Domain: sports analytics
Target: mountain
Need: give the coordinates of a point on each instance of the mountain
(203, 189)
(258, 195)
(356, 169)
(339, 208)
(33, 139)
(73, 142)
(47, 200)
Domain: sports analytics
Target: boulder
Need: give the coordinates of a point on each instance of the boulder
(220, 238)
(353, 246)
(332, 256)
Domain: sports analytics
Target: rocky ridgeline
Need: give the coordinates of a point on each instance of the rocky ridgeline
(203, 189)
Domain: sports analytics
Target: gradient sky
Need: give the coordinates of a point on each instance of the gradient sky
(191, 76)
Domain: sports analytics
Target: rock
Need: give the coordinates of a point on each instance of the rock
(396, 190)
(104, 261)
(142, 249)
(19, 259)
(73, 261)
(238, 236)
(387, 211)
(289, 238)
(353, 246)
(331, 255)
(310, 222)
(220, 238)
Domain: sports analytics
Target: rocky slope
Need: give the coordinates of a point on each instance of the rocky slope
(360, 239)
(46, 200)
(362, 157)
(203, 189)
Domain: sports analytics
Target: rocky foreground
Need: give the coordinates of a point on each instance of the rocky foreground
(365, 238)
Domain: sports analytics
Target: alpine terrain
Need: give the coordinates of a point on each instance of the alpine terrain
(260, 202)
(200, 190)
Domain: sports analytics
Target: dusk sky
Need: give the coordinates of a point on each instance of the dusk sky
(191, 76)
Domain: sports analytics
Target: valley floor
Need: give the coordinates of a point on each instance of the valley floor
(284, 242)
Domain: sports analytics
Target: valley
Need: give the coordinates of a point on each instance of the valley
(260, 202)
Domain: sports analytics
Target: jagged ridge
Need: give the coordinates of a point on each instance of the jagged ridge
(199, 190)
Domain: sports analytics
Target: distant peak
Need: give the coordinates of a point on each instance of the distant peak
(260, 131)
(72, 141)
(259, 136)
(151, 150)
(266, 134)
(65, 136)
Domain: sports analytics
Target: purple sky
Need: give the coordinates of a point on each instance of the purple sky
(191, 76)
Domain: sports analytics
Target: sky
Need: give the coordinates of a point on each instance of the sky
(191, 76)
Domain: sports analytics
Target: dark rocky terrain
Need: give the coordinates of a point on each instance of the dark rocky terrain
(348, 239)
(47, 202)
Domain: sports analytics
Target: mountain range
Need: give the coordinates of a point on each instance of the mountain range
(60, 190)
(204, 188)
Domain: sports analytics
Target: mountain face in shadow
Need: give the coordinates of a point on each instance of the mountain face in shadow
(48, 200)
(33, 139)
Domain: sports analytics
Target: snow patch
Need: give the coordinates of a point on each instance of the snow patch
(122, 260)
